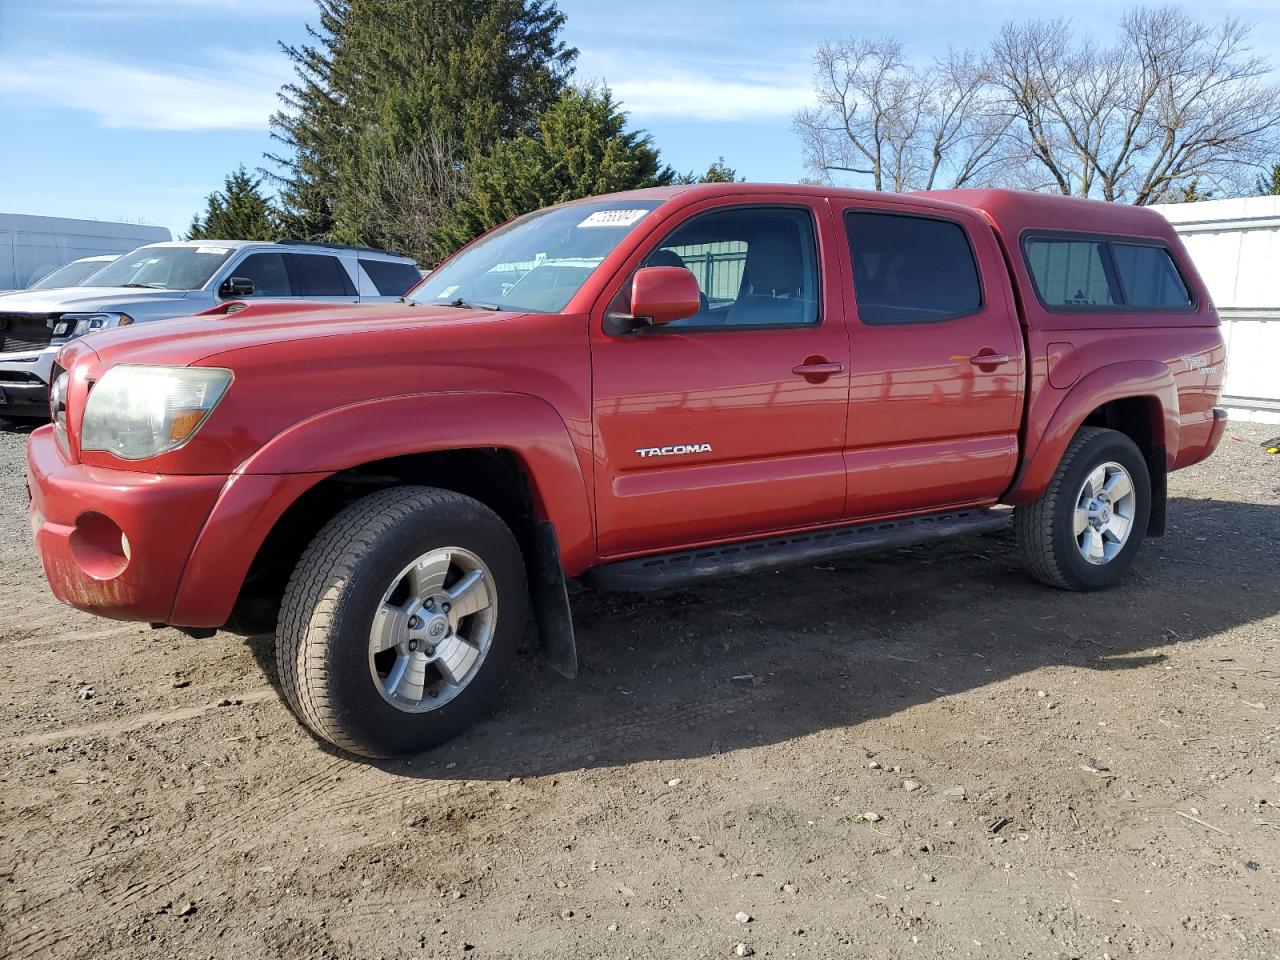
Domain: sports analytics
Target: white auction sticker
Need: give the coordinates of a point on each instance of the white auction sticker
(613, 218)
(216, 251)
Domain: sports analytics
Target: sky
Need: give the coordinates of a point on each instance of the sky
(137, 109)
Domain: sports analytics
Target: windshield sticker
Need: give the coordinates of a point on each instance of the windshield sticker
(447, 291)
(216, 251)
(613, 218)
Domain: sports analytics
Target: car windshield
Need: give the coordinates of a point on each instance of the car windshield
(69, 275)
(536, 263)
(164, 268)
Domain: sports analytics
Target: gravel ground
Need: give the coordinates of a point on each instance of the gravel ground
(933, 757)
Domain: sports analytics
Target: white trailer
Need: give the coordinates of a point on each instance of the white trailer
(32, 246)
(1235, 244)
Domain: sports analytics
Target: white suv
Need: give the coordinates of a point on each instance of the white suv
(164, 280)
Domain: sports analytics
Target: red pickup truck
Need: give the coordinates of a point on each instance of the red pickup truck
(633, 390)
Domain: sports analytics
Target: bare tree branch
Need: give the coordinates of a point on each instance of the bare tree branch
(1173, 101)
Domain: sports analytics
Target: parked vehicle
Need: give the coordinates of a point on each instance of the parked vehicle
(637, 390)
(32, 246)
(73, 274)
(165, 280)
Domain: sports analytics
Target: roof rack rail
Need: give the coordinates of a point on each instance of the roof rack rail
(289, 241)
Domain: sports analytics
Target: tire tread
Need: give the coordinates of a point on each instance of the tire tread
(316, 591)
(1033, 522)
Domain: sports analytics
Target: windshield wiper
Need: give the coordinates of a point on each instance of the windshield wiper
(149, 286)
(466, 305)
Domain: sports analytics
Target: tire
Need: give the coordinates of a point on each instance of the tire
(361, 565)
(1052, 550)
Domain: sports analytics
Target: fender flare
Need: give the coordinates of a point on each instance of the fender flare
(1146, 379)
(526, 426)
(257, 495)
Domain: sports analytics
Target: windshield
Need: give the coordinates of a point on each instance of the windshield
(538, 262)
(69, 275)
(164, 268)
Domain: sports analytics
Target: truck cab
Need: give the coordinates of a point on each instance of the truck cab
(634, 391)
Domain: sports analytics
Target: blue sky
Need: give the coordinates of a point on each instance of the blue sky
(136, 109)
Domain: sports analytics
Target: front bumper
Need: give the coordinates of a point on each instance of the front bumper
(162, 548)
(113, 542)
(24, 383)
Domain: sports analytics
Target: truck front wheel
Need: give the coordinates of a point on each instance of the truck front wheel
(1085, 529)
(401, 620)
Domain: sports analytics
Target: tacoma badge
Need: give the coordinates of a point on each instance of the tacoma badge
(679, 450)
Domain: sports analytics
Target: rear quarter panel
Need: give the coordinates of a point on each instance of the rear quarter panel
(1080, 359)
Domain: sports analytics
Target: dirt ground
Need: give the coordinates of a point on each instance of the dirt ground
(1126, 741)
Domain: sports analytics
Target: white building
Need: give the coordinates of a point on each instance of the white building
(32, 246)
(1235, 245)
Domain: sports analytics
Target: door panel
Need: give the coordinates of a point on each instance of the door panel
(704, 429)
(936, 369)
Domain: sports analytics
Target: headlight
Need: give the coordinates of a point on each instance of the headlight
(138, 411)
(72, 325)
(58, 407)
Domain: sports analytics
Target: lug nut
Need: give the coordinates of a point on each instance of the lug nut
(430, 604)
(431, 651)
(444, 607)
(415, 623)
(413, 644)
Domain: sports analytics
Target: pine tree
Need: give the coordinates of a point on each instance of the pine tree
(378, 77)
(1269, 186)
(581, 147)
(237, 212)
(720, 172)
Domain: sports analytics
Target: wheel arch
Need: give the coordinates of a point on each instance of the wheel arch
(509, 451)
(1138, 398)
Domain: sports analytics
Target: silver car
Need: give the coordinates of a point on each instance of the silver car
(164, 280)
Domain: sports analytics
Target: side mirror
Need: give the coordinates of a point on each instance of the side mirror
(236, 287)
(658, 295)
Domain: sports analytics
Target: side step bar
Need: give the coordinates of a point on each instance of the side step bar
(744, 556)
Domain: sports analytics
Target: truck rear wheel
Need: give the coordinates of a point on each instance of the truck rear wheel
(401, 620)
(1085, 529)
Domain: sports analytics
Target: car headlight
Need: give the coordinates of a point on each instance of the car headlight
(72, 325)
(137, 411)
(58, 407)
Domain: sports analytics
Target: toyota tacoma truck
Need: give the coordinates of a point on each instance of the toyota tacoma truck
(632, 391)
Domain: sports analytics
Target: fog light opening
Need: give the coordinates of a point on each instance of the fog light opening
(99, 546)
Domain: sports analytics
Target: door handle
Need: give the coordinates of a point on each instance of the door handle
(817, 367)
(990, 359)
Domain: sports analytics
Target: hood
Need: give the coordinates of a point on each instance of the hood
(86, 299)
(191, 339)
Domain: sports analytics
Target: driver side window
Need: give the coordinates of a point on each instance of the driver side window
(756, 266)
(268, 273)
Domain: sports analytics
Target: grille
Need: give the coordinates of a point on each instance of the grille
(26, 331)
(18, 377)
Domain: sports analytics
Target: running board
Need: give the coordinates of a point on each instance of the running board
(744, 556)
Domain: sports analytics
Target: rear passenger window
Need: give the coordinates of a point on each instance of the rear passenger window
(911, 269)
(1148, 276)
(392, 279)
(320, 276)
(267, 272)
(1070, 273)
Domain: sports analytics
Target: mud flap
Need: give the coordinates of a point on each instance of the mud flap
(550, 599)
(1159, 490)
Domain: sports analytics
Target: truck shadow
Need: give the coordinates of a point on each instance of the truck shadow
(774, 656)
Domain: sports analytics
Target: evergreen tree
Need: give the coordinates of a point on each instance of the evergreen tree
(1188, 192)
(379, 76)
(720, 172)
(580, 148)
(237, 212)
(1269, 186)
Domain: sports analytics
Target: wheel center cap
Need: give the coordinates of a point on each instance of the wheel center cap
(437, 627)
